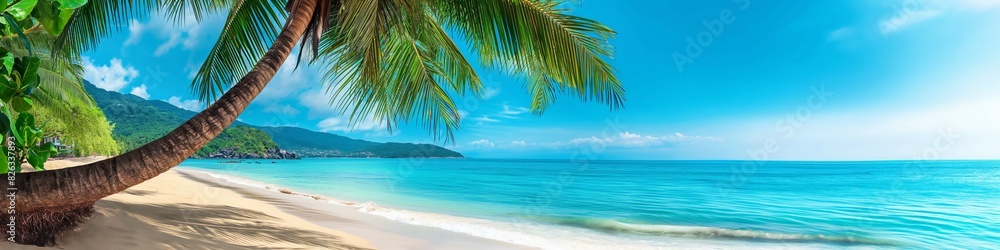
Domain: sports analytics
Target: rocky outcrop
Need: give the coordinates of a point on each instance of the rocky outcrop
(271, 153)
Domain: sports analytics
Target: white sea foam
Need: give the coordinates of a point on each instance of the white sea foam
(233, 179)
(522, 233)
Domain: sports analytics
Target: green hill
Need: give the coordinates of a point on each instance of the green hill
(138, 121)
(318, 144)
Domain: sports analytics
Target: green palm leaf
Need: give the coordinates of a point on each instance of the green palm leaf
(249, 30)
(552, 50)
(391, 60)
(98, 20)
(61, 76)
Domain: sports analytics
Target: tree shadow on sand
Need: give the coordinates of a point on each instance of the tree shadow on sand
(185, 226)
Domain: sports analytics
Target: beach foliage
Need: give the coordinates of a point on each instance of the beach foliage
(21, 84)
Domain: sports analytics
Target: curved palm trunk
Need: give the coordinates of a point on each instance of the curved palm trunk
(75, 190)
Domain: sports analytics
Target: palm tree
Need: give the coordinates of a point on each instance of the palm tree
(390, 60)
(62, 95)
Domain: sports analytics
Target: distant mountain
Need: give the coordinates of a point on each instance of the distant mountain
(308, 143)
(138, 121)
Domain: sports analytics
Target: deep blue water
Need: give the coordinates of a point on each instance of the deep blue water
(660, 204)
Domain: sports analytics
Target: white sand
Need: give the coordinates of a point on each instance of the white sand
(191, 210)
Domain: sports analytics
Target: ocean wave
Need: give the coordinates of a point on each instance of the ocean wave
(551, 232)
(614, 226)
(520, 232)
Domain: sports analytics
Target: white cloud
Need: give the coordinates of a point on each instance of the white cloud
(135, 33)
(510, 112)
(344, 125)
(630, 140)
(485, 118)
(481, 144)
(186, 34)
(490, 92)
(840, 33)
(192, 69)
(192, 105)
(140, 91)
(318, 103)
(289, 81)
(909, 13)
(111, 77)
(625, 140)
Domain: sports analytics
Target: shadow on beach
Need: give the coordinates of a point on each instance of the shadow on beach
(184, 226)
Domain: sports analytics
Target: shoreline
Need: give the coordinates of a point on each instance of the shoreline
(189, 209)
(393, 228)
(548, 233)
(346, 216)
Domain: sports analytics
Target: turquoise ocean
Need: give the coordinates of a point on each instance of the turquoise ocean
(561, 204)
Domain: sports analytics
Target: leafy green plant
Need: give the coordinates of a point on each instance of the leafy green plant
(19, 80)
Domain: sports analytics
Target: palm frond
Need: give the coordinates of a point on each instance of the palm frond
(176, 10)
(62, 81)
(391, 61)
(98, 19)
(322, 18)
(251, 27)
(35, 35)
(540, 41)
(61, 76)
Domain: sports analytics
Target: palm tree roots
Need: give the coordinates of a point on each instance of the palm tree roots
(42, 228)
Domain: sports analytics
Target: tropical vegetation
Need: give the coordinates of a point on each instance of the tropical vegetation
(25, 78)
(393, 61)
(81, 126)
(58, 101)
(139, 121)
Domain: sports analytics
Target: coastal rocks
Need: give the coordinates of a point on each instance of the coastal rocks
(271, 153)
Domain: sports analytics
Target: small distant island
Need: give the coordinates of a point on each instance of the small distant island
(138, 121)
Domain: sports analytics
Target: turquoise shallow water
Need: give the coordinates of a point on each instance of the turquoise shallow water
(657, 204)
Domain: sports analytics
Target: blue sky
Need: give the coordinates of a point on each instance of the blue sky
(723, 79)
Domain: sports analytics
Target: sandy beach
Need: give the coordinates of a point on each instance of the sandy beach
(183, 209)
